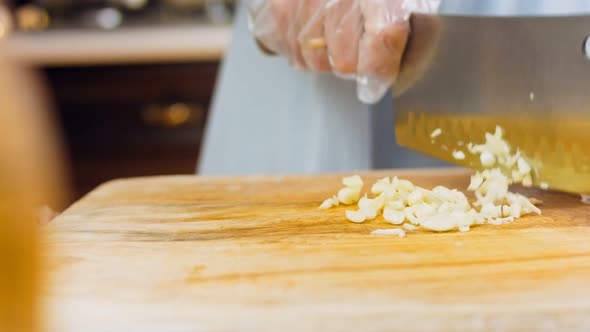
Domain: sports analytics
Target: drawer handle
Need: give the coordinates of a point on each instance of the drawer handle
(32, 18)
(171, 116)
(5, 22)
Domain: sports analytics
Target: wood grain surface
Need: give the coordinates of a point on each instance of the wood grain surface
(254, 254)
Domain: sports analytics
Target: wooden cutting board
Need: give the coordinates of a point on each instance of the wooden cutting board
(254, 254)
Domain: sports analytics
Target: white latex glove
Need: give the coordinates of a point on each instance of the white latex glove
(362, 39)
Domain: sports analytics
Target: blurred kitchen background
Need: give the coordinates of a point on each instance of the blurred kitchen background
(131, 80)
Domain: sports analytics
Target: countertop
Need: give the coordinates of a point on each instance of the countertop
(188, 43)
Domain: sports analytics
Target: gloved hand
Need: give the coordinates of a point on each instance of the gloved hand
(362, 39)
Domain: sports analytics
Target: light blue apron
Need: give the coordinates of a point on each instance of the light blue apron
(267, 118)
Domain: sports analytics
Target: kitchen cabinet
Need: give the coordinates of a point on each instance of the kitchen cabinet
(130, 102)
(131, 120)
(131, 98)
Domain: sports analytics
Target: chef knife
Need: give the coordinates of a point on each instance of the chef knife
(465, 75)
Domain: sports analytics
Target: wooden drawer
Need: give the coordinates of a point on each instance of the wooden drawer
(88, 85)
(125, 121)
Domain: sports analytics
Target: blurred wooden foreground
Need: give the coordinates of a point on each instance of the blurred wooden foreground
(30, 178)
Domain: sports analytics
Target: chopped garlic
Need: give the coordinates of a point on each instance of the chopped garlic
(476, 181)
(424, 210)
(514, 210)
(494, 187)
(494, 221)
(439, 223)
(410, 213)
(517, 176)
(458, 155)
(487, 159)
(403, 185)
(489, 210)
(464, 229)
(478, 219)
(506, 211)
(355, 216)
(446, 207)
(526, 205)
(381, 200)
(370, 214)
(450, 195)
(326, 204)
(523, 166)
(381, 186)
(501, 221)
(442, 209)
(436, 133)
(329, 203)
(369, 207)
(397, 205)
(366, 202)
(392, 231)
(393, 216)
(467, 218)
(354, 181)
(348, 196)
(527, 181)
(496, 151)
(415, 197)
(410, 227)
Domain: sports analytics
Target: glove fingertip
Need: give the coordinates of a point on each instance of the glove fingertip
(370, 89)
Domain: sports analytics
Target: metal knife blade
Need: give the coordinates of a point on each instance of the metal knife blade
(530, 75)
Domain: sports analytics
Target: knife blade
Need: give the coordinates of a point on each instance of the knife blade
(530, 75)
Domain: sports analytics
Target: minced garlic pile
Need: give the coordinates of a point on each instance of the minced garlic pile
(402, 203)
